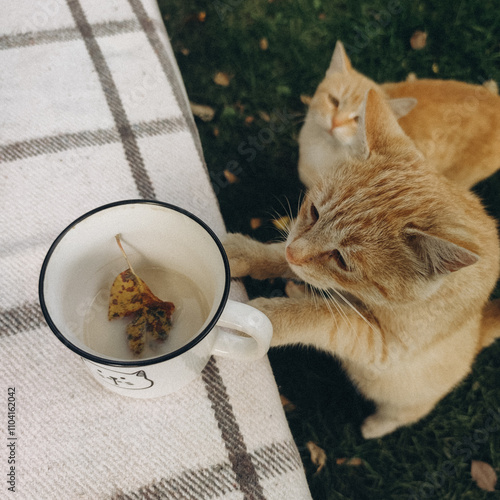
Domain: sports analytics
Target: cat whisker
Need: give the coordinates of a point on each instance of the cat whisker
(317, 293)
(284, 226)
(311, 291)
(329, 294)
(286, 208)
(325, 298)
(290, 214)
(283, 231)
(354, 308)
(302, 195)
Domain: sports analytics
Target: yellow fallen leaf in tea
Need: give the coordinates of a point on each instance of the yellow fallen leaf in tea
(136, 334)
(158, 319)
(131, 296)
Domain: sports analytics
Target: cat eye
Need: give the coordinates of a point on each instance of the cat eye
(339, 260)
(313, 211)
(333, 100)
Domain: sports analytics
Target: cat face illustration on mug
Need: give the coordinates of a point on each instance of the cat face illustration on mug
(134, 381)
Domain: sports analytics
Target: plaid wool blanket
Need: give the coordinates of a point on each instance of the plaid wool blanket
(93, 110)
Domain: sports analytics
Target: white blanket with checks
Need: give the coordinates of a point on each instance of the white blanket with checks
(93, 110)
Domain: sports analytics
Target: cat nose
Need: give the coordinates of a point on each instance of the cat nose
(339, 120)
(335, 123)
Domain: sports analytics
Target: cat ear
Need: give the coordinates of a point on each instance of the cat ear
(437, 255)
(377, 125)
(340, 63)
(402, 106)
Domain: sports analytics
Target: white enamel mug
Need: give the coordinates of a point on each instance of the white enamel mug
(182, 261)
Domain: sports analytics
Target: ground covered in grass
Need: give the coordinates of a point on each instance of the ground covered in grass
(254, 62)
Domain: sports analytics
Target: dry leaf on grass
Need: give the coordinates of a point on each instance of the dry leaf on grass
(230, 177)
(484, 475)
(353, 462)
(287, 404)
(205, 113)
(255, 222)
(263, 44)
(418, 40)
(222, 79)
(318, 455)
(264, 116)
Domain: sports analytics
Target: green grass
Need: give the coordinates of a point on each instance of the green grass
(432, 458)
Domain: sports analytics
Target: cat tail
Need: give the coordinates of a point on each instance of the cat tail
(490, 325)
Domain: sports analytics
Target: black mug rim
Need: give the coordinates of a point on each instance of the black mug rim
(140, 362)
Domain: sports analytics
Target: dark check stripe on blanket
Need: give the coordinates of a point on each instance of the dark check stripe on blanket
(90, 32)
(132, 152)
(244, 470)
(67, 34)
(26, 316)
(87, 138)
(168, 68)
(241, 461)
(217, 480)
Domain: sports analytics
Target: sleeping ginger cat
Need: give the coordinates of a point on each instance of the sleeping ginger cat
(405, 261)
(455, 125)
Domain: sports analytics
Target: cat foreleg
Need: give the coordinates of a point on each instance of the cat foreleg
(295, 321)
(336, 328)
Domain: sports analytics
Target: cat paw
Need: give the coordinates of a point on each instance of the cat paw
(236, 247)
(376, 426)
(263, 304)
(295, 290)
(270, 307)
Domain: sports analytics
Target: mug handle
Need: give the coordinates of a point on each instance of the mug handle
(246, 319)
